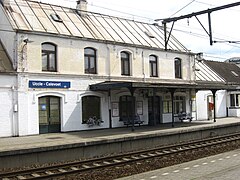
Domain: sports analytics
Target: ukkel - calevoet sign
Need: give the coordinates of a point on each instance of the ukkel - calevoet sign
(49, 84)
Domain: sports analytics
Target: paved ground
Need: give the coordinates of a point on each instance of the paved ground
(225, 166)
(54, 139)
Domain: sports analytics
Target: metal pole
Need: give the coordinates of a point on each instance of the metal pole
(153, 107)
(133, 107)
(210, 28)
(214, 104)
(109, 108)
(172, 97)
(165, 35)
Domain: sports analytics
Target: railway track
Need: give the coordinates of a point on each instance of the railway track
(104, 162)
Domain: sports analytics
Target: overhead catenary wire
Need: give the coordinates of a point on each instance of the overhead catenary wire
(182, 8)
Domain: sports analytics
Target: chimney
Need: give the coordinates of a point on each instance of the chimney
(82, 7)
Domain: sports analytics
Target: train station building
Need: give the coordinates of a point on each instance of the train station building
(64, 69)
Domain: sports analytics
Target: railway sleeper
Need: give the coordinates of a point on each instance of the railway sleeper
(62, 170)
(5, 179)
(49, 172)
(96, 164)
(106, 162)
(35, 175)
(159, 153)
(151, 154)
(74, 168)
(86, 166)
(21, 177)
(126, 159)
(144, 156)
(116, 161)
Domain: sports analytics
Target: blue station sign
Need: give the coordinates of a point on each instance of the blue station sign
(49, 84)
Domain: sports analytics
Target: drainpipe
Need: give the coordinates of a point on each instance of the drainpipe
(15, 123)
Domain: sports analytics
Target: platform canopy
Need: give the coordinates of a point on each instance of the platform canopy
(111, 85)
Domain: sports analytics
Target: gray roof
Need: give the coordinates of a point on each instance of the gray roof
(31, 16)
(230, 72)
(204, 73)
(218, 72)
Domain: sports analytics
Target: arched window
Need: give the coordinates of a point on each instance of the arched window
(90, 61)
(49, 59)
(125, 63)
(178, 68)
(91, 106)
(153, 64)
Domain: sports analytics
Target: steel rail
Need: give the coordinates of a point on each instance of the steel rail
(104, 162)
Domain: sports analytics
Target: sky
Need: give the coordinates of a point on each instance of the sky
(225, 23)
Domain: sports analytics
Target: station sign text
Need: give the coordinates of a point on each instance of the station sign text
(49, 84)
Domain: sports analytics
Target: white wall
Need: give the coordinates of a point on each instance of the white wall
(7, 94)
(71, 105)
(201, 101)
(71, 52)
(221, 103)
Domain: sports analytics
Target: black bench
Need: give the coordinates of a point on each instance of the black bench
(128, 120)
(184, 116)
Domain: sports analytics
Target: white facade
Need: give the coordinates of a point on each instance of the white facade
(8, 100)
(71, 52)
(26, 90)
(204, 111)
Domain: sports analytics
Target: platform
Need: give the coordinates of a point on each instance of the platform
(47, 148)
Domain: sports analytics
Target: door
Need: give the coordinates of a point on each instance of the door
(49, 114)
(210, 107)
(154, 110)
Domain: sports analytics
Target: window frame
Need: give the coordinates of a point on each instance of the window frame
(97, 104)
(49, 53)
(153, 62)
(178, 68)
(88, 58)
(125, 61)
(234, 100)
(179, 101)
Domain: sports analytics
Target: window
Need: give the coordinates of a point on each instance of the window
(153, 66)
(178, 68)
(234, 100)
(179, 104)
(56, 17)
(125, 63)
(167, 106)
(90, 61)
(90, 107)
(125, 106)
(48, 57)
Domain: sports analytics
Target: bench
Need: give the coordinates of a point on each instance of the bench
(184, 116)
(128, 120)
